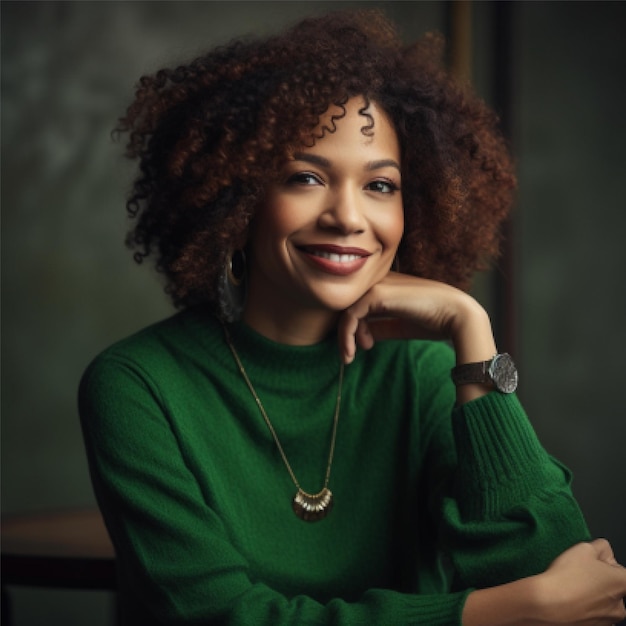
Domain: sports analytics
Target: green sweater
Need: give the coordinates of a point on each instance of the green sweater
(430, 501)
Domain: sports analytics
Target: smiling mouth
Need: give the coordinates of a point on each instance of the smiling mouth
(335, 259)
(333, 256)
(337, 254)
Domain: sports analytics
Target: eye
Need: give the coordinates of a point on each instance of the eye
(382, 186)
(304, 178)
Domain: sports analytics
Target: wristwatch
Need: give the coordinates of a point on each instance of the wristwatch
(499, 372)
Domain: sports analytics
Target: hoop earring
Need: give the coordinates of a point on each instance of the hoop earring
(232, 287)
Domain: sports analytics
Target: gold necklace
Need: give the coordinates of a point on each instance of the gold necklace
(309, 507)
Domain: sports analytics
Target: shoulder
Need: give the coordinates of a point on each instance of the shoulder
(157, 351)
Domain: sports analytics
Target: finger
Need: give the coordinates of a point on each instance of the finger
(604, 551)
(364, 337)
(346, 335)
(354, 328)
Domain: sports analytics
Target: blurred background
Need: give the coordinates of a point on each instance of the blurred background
(554, 70)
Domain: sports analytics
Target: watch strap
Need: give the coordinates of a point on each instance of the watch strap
(468, 373)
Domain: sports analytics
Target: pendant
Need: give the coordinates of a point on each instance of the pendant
(312, 508)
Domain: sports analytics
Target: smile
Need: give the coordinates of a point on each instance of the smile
(335, 260)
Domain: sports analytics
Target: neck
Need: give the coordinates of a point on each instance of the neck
(293, 325)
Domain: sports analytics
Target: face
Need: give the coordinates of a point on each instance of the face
(329, 229)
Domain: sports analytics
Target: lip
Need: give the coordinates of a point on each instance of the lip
(333, 259)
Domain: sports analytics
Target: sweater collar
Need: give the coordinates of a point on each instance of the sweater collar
(261, 354)
(268, 362)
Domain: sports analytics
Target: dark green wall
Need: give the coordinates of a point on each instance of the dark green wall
(571, 131)
(69, 287)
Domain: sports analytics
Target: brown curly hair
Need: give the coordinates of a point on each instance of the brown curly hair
(212, 135)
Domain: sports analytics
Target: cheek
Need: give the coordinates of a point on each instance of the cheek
(391, 227)
(284, 212)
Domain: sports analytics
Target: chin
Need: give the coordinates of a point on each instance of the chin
(338, 302)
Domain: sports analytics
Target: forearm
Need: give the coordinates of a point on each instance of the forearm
(584, 585)
(512, 604)
(509, 494)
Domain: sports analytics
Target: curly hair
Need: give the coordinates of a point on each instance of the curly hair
(211, 136)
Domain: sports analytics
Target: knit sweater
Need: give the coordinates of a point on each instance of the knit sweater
(430, 501)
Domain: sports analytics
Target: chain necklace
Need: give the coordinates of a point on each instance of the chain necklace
(307, 506)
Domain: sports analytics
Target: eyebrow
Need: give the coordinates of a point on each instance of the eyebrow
(324, 162)
(376, 165)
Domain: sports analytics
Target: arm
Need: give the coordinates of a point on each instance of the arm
(585, 585)
(511, 511)
(405, 307)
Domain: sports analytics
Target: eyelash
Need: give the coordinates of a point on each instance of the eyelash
(304, 178)
(301, 178)
(391, 186)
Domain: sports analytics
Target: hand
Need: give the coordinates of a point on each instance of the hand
(584, 586)
(407, 307)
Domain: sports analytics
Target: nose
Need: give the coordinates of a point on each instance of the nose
(344, 212)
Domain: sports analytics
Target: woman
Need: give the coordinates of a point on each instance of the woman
(291, 447)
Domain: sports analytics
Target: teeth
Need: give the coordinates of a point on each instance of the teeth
(336, 258)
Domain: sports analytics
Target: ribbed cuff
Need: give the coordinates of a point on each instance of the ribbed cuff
(444, 609)
(500, 458)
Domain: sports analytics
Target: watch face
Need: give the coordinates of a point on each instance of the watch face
(503, 373)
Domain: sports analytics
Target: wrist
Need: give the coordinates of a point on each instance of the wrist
(472, 339)
(498, 372)
(517, 603)
(471, 333)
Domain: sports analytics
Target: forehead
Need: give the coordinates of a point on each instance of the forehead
(356, 124)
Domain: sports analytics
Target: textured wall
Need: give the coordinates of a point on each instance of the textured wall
(572, 221)
(70, 287)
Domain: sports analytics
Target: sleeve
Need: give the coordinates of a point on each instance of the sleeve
(509, 510)
(175, 561)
